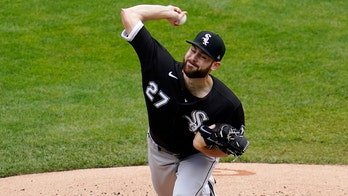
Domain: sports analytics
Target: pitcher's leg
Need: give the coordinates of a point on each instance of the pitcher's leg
(193, 174)
(163, 168)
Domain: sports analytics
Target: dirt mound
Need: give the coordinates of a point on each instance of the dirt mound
(232, 179)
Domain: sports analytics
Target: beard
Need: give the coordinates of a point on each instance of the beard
(195, 72)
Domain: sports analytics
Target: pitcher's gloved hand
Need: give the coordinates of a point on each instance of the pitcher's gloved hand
(225, 137)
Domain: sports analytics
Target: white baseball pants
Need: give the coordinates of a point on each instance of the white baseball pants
(172, 176)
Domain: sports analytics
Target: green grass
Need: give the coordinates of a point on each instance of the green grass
(70, 87)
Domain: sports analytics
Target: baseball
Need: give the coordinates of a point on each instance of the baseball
(182, 20)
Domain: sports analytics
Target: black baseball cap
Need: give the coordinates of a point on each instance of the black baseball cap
(210, 43)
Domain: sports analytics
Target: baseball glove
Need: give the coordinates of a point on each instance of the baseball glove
(225, 137)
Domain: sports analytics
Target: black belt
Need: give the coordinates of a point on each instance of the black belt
(162, 149)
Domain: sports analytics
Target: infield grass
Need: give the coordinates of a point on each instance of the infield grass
(70, 87)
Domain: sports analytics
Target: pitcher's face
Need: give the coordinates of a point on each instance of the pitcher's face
(196, 63)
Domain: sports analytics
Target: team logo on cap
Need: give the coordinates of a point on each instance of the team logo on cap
(206, 39)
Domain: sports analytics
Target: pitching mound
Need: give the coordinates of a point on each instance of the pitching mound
(232, 179)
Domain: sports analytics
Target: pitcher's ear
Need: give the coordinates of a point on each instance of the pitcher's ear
(216, 65)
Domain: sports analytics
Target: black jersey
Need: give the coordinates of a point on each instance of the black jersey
(173, 113)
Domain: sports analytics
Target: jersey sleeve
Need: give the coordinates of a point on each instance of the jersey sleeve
(229, 106)
(152, 55)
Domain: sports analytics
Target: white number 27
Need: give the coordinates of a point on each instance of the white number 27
(151, 90)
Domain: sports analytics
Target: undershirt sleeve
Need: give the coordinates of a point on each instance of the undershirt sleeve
(133, 33)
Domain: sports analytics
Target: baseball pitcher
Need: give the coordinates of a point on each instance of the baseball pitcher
(193, 117)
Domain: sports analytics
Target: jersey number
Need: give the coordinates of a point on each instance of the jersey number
(152, 90)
